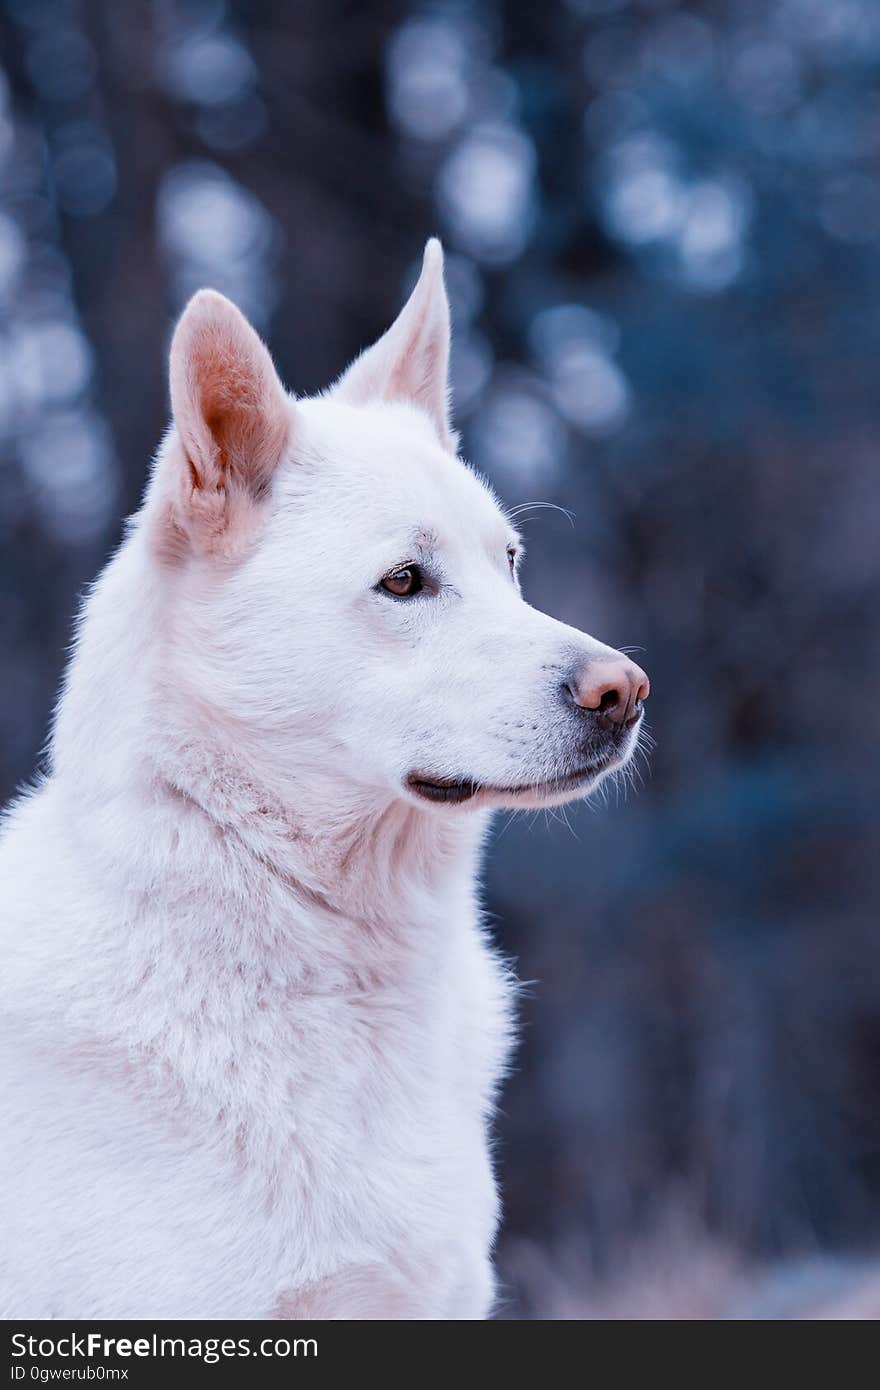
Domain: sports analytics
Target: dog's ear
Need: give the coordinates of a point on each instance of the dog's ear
(232, 420)
(411, 361)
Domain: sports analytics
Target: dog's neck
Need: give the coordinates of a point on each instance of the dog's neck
(363, 859)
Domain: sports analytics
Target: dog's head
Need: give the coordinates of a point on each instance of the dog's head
(347, 591)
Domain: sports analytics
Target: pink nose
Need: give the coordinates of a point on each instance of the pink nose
(612, 687)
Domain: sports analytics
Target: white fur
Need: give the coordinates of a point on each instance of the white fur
(251, 1026)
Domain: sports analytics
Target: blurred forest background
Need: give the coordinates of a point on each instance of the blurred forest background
(663, 226)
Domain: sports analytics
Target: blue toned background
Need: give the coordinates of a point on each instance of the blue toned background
(663, 227)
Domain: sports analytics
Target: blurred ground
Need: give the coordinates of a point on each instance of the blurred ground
(679, 1273)
(663, 223)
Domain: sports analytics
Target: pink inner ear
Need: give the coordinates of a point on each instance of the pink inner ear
(416, 374)
(236, 411)
(230, 409)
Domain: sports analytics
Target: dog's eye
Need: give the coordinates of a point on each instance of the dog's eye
(403, 583)
(511, 558)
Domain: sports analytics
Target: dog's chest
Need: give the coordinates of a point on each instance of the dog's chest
(355, 1107)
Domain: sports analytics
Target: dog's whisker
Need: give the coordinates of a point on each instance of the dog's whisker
(525, 508)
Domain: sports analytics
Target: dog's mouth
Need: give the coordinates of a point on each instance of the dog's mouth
(456, 791)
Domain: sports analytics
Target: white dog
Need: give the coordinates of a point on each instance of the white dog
(251, 1026)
